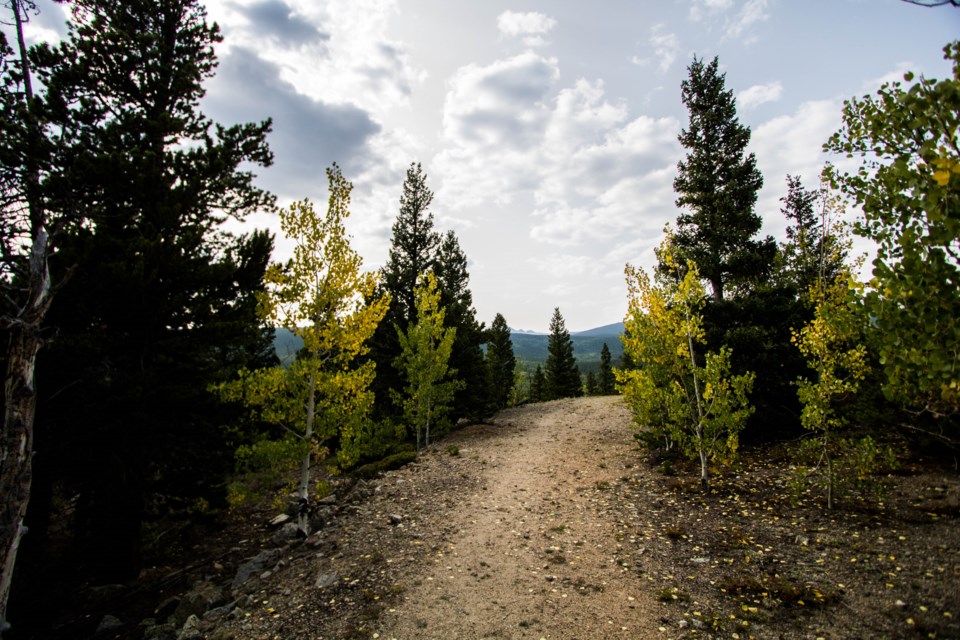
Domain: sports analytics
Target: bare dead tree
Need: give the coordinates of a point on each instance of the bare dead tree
(23, 325)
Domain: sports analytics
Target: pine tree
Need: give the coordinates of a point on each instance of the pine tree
(606, 385)
(538, 386)
(414, 250)
(472, 400)
(501, 362)
(718, 183)
(590, 384)
(159, 289)
(561, 373)
(26, 289)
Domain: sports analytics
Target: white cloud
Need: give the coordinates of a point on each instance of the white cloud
(751, 13)
(792, 144)
(894, 75)
(494, 116)
(666, 48)
(585, 164)
(759, 94)
(531, 27)
(701, 9)
(338, 51)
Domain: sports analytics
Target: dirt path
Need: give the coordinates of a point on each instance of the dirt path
(532, 550)
(549, 524)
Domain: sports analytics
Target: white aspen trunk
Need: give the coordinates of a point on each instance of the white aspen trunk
(826, 440)
(429, 411)
(704, 477)
(303, 522)
(704, 474)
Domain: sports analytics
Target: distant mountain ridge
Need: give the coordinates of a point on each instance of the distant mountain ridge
(614, 329)
(529, 347)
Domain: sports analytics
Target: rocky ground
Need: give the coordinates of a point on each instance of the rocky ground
(551, 523)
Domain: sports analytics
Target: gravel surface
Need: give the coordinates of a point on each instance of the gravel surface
(551, 523)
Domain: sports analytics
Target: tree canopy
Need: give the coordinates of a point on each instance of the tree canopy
(717, 185)
(162, 299)
(561, 375)
(908, 186)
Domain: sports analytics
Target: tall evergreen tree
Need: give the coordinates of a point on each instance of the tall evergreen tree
(606, 384)
(162, 300)
(717, 185)
(561, 372)
(590, 384)
(538, 386)
(472, 399)
(501, 362)
(414, 250)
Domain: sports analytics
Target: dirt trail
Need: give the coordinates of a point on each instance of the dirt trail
(532, 549)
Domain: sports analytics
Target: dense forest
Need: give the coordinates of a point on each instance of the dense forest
(143, 390)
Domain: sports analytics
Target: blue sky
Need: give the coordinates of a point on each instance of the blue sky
(547, 128)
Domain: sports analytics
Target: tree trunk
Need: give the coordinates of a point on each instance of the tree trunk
(704, 477)
(717, 285)
(16, 442)
(17, 451)
(303, 521)
(704, 474)
(429, 410)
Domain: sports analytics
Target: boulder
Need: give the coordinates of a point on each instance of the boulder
(285, 534)
(281, 520)
(200, 599)
(255, 566)
(166, 608)
(191, 629)
(109, 624)
(160, 632)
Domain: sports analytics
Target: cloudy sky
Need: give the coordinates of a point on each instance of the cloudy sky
(548, 129)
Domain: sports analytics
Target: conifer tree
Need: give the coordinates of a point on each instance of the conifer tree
(606, 384)
(538, 386)
(501, 362)
(159, 288)
(414, 251)
(473, 397)
(812, 253)
(590, 384)
(26, 291)
(560, 372)
(414, 247)
(717, 185)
